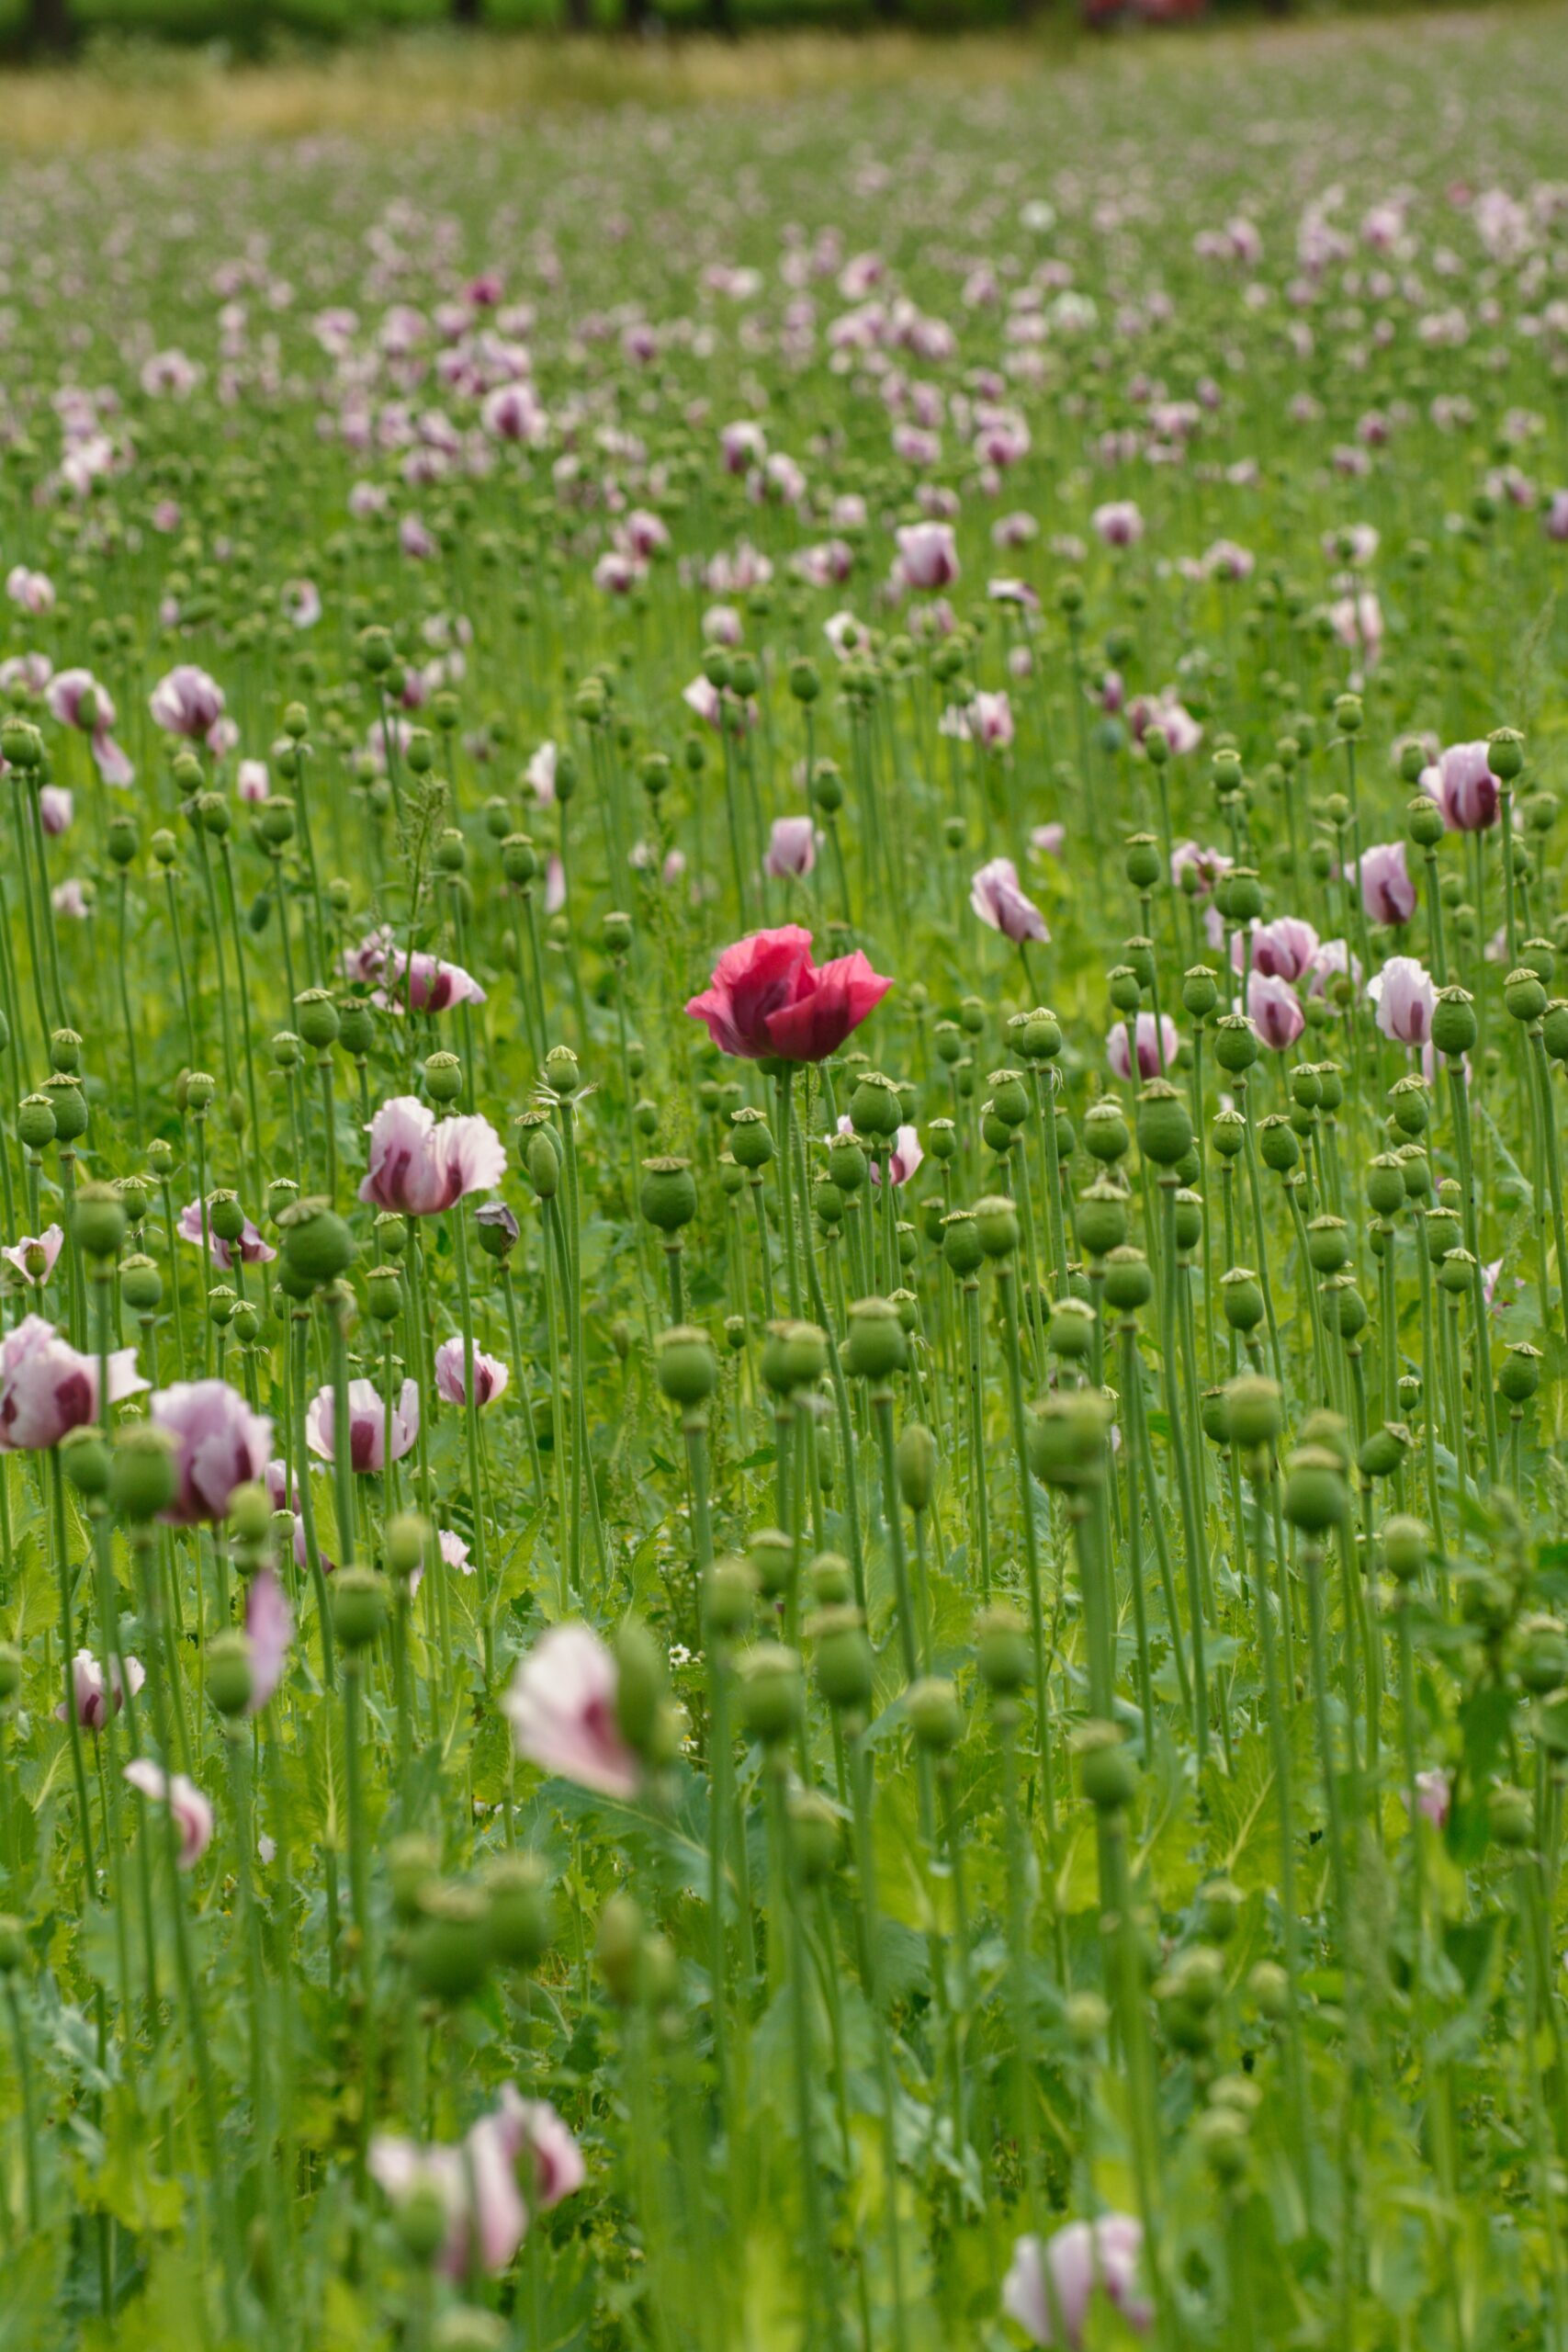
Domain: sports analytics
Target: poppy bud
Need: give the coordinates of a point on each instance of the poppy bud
(1002, 1652)
(359, 1606)
(668, 1197)
(1164, 1129)
(1107, 1766)
(771, 1696)
(843, 1659)
(684, 1362)
(875, 1347)
(449, 1946)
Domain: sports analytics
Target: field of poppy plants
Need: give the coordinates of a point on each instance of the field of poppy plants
(784, 1318)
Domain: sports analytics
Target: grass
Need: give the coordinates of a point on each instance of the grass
(125, 91)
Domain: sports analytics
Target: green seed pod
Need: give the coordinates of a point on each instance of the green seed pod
(1037, 1035)
(519, 1909)
(1066, 1438)
(961, 1244)
(771, 1699)
(875, 1110)
(996, 1222)
(1506, 753)
(668, 1197)
(1236, 1043)
(1124, 988)
(1200, 991)
(448, 1948)
(1524, 995)
(1164, 1129)
(1189, 1219)
(847, 1162)
(1108, 1770)
(1456, 1270)
(359, 1606)
(1010, 1096)
(230, 1683)
(1129, 1285)
(772, 1555)
(1384, 1451)
(685, 1364)
(1406, 1545)
(97, 1220)
(1316, 1496)
(1241, 1299)
(141, 1471)
(1453, 1021)
(1328, 1244)
(317, 1247)
(877, 1347)
(1554, 1029)
(1424, 822)
(1542, 1655)
(1520, 1376)
(1258, 1413)
(1102, 1218)
(845, 1666)
(812, 1823)
(916, 1458)
(729, 1598)
(1511, 1818)
(1105, 1132)
(140, 1283)
(936, 1716)
(750, 1139)
(639, 1683)
(317, 1019)
(1003, 1651)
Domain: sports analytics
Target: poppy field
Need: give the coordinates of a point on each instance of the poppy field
(784, 1304)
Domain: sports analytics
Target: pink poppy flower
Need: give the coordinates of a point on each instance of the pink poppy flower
(562, 1707)
(1274, 1010)
(540, 775)
(1176, 723)
(478, 2183)
(1388, 894)
(269, 1622)
(767, 998)
(220, 1444)
(34, 1255)
(792, 848)
(1284, 949)
(1195, 870)
(1050, 2288)
(187, 702)
(420, 1166)
(1464, 787)
(1151, 1045)
(193, 1813)
(1117, 523)
(1434, 1798)
(927, 555)
(490, 1375)
(997, 897)
(368, 1424)
(47, 1389)
(1405, 997)
(94, 1697)
(252, 1249)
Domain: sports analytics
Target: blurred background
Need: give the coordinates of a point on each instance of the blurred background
(41, 29)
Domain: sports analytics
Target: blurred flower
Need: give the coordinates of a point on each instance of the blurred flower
(562, 1707)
